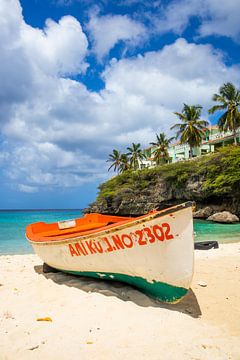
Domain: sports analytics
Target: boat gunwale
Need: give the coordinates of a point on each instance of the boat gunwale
(113, 227)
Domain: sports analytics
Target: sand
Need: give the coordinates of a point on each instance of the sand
(99, 320)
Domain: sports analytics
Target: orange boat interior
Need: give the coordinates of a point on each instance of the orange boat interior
(90, 223)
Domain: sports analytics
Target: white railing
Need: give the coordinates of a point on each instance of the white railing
(179, 147)
(222, 135)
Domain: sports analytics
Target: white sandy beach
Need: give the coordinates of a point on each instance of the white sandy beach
(95, 320)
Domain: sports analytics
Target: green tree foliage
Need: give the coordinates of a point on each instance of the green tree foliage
(191, 129)
(229, 100)
(218, 172)
(120, 162)
(115, 159)
(160, 154)
(223, 171)
(124, 163)
(136, 156)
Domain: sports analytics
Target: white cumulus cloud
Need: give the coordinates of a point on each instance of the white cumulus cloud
(215, 17)
(149, 88)
(58, 133)
(221, 18)
(60, 48)
(106, 31)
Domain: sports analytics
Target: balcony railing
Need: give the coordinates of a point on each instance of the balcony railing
(221, 135)
(179, 147)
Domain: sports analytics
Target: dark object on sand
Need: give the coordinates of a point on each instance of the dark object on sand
(206, 245)
(48, 269)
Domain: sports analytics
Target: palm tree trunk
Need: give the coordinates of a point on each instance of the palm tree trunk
(235, 137)
(191, 152)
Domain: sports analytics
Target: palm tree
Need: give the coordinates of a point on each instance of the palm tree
(124, 163)
(229, 99)
(191, 130)
(115, 158)
(135, 155)
(161, 148)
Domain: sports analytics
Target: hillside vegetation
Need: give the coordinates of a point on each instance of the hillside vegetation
(213, 179)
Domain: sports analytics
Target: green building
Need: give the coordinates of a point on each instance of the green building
(212, 140)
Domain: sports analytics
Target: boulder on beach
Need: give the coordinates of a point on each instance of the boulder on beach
(224, 217)
(203, 213)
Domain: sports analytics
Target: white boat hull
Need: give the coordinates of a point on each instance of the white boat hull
(155, 253)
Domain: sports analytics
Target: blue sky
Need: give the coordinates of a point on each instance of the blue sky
(81, 77)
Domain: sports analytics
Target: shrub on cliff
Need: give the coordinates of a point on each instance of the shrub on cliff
(219, 173)
(223, 171)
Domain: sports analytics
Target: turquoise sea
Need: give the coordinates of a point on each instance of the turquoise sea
(13, 223)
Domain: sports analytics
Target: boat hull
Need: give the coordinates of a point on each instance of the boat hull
(154, 253)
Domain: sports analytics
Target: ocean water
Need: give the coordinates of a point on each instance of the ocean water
(13, 224)
(223, 233)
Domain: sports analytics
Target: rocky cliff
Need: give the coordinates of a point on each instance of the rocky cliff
(212, 180)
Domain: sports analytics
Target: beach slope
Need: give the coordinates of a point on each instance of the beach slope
(59, 316)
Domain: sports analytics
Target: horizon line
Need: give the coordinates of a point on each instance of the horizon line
(62, 209)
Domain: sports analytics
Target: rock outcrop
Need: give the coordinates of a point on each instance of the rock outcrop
(211, 181)
(136, 202)
(224, 217)
(203, 213)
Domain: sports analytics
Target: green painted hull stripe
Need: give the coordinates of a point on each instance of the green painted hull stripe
(157, 290)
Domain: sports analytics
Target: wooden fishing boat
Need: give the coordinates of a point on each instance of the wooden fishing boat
(153, 252)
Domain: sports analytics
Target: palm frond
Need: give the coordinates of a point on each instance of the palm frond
(215, 108)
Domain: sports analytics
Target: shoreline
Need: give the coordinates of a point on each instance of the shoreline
(103, 320)
(226, 242)
(13, 241)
